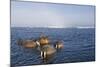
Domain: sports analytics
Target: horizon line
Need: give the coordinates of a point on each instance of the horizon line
(53, 27)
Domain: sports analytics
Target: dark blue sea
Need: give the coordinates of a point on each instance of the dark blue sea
(79, 45)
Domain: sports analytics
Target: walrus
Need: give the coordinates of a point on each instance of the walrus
(59, 45)
(27, 43)
(44, 40)
(47, 52)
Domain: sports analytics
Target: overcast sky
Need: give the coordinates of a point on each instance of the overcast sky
(32, 14)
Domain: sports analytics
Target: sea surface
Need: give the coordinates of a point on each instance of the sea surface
(79, 45)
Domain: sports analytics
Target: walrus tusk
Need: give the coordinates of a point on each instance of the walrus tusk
(37, 43)
(43, 54)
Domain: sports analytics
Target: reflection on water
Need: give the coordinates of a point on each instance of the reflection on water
(79, 46)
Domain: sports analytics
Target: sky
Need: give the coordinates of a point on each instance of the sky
(35, 14)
